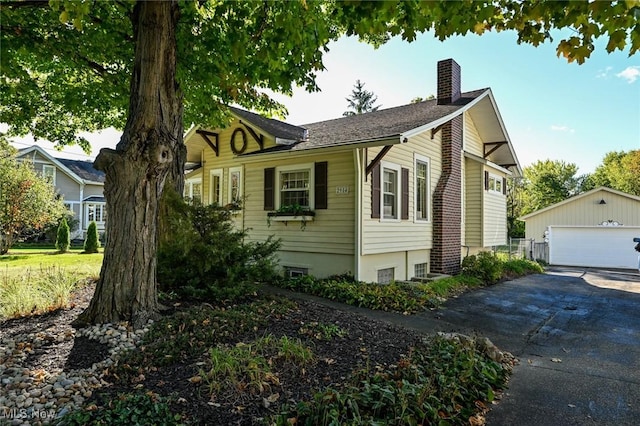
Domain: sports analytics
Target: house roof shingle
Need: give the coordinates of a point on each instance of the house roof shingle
(277, 128)
(381, 124)
(84, 169)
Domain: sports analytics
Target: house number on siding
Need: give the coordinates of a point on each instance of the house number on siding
(342, 189)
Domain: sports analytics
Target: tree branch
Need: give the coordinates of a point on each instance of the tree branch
(26, 3)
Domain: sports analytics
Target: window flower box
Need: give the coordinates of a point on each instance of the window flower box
(290, 214)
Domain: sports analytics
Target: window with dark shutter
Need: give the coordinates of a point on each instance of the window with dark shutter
(504, 186)
(321, 188)
(269, 188)
(404, 208)
(486, 181)
(375, 192)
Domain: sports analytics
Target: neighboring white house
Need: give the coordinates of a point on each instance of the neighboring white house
(593, 229)
(78, 183)
(387, 195)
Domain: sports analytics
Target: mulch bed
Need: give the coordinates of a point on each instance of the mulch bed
(367, 344)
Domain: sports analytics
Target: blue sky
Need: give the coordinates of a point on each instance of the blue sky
(552, 109)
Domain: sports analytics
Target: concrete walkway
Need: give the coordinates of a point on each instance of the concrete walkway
(576, 333)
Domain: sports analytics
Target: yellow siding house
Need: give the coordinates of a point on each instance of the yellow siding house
(394, 194)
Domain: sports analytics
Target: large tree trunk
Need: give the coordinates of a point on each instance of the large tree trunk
(151, 148)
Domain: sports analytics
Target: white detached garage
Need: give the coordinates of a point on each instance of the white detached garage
(593, 229)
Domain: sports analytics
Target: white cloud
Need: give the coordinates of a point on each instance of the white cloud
(631, 73)
(562, 128)
(604, 73)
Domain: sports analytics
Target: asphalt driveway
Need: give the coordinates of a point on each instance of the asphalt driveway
(577, 335)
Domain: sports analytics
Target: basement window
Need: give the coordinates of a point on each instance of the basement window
(295, 272)
(420, 270)
(386, 276)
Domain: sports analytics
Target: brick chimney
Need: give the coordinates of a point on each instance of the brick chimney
(449, 81)
(447, 196)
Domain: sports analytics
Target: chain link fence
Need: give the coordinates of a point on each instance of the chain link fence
(524, 248)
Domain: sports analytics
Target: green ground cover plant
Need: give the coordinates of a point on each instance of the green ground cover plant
(478, 270)
(443, 381)
(136, 409)
(397, 297)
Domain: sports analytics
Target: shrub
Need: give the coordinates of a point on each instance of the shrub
(520, 267)
(485, 266)
(51, 231)
(63, 241)
(206, 257)
(92, 243)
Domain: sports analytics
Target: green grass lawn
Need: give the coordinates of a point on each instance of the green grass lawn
(39, 279)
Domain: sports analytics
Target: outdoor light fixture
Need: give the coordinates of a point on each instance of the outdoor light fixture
(602, 201)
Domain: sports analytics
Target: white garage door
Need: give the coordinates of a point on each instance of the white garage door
(594, 246)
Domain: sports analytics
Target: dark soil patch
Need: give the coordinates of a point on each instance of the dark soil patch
(86, 352)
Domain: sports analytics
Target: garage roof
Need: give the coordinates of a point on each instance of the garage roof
(577, 197)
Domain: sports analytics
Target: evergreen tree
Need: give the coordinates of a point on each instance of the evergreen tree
(361, 100)
(63, 242)
(92, 242)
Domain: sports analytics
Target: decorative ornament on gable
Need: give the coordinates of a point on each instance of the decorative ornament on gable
(610, 222)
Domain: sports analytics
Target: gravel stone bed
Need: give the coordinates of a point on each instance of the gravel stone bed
(46, 374)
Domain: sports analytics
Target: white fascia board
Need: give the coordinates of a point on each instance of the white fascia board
(190, 132)
(488, 163)
(442, 120)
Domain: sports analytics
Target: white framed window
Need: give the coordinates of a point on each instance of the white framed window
(422, 187)
(295, 186)
(495, 184)
(215, 187)
(235, 184)
(96, 212)
(49, 173)
(193, 189)
(390, 188)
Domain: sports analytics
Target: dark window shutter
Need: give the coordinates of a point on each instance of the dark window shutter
(375, 192)
(269, 188)
(504, 186)
(486, 181)
(321, 189)
(404, 209)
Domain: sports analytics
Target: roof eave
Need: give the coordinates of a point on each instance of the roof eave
(489, 93)
(446, 118)
(577, 197)
(55, 161)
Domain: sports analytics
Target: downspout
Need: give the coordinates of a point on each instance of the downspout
(202, 180)
(358, 213)
(81, 224)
